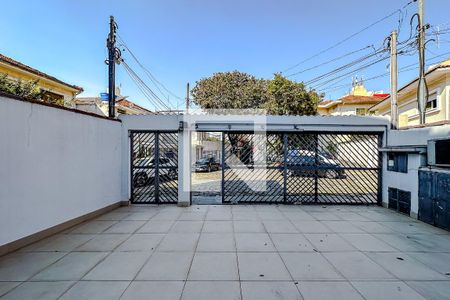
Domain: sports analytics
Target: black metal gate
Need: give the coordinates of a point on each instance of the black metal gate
(307, 167)
(154, 167)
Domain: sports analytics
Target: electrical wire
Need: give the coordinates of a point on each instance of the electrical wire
(402, 50)
(145, 89)
(406, 68)
(378, 60)
(144, 92)
(349, 37)
(329, 61)
(343, 67)
(149, 74)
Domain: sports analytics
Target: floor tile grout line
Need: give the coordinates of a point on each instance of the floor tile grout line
(284, 263)
(415, 288)
(348, 280)
(66, 254)
(145, 262)
(323, 258)
(46, 267)
(375, 262)
(193, 256)
(105, 257)
(334, 267)
(236, 255)
(89, 221)
(342, 274)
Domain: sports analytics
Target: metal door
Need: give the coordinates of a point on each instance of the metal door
(154, 167)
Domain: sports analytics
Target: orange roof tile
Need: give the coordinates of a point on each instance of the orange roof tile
(352, 99)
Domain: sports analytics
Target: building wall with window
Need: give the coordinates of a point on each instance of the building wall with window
(438, 105)
(346, 109)
(356, 102)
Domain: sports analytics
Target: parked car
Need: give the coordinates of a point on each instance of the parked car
(303, 163)
(207, 164)
(144, 170)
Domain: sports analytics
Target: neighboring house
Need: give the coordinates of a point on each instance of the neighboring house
(206, 144)
(438, 106)
(53, 89)
(99, 106)
(357, 102)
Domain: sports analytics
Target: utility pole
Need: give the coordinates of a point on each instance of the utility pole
(111, 45)
(422, 93)
(187, 98)
(394, 80)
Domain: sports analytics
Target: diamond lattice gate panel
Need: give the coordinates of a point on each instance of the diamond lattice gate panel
(154, 167)
(301, 168)
(252, 169)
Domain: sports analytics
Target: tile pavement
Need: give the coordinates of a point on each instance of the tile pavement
(235, 252)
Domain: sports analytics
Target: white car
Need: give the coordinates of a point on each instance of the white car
(144, 170)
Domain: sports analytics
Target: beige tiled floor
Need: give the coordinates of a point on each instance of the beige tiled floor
(235, 252)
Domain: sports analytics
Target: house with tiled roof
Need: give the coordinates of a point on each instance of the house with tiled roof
(438, 104)
(357, 102)
(53, 89)
(99, 106)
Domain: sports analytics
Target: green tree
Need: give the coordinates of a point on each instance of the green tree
(237, 90)
(230, 90)
(290, 98)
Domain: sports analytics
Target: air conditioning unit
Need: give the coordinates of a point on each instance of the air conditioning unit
(438, 152)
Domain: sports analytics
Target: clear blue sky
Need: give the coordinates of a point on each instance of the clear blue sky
(185, 40)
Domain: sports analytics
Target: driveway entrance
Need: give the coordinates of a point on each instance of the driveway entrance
(255, 159)
(333, 168)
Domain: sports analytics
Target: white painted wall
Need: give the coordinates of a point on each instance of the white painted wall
(417, 136)
(410, 181)
(404, 181)
(55, 165)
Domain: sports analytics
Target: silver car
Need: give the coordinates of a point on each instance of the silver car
(144, 170)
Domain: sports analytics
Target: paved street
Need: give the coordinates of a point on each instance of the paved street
(243, 185)
(235, 252)
(207, 182)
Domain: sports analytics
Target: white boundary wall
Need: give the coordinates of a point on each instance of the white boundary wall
(55, 165)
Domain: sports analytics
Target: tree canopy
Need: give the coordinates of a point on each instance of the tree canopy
(238, 90)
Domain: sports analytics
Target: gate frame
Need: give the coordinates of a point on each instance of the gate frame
(156, 183)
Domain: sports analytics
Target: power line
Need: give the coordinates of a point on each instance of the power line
(353, 71)
(155, 105)
(401, 70)
(397, 11)
(329, 61)
(143, 91)
(351, 64)
(343, 67)
(147, 91)
(149, 74)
